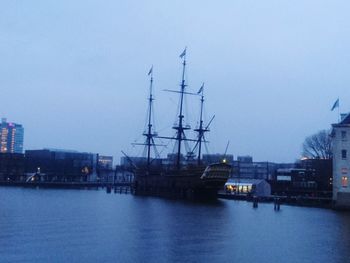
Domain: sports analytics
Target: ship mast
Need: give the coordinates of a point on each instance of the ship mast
(180, 128)
(149, 135)
(201, 130)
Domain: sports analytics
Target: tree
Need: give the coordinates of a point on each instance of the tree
(318, 145)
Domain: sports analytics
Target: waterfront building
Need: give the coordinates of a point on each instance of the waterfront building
(11, 137)
(322, 169)
(308, 177)
(11, 167)
(257, 187)
(341, 162)
(62, 165)
(294, 182)
(105, 170)
(105, 162)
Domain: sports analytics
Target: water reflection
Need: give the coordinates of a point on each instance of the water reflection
(91, 226)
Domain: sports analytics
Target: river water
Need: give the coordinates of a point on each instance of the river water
(38, 225)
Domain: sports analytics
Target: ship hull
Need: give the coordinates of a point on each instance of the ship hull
(194, 183)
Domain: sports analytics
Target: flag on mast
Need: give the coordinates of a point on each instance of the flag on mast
(150, 71)
(183, 53)
(201, 89)
(335, 105)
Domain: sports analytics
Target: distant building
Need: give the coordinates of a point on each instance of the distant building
(11, 137)
(12, 167)
(61, 165)
(105, 162)
(217, 158)
(322, 169)
(130, 162)
(105, 170)
(244, 167)
(341, 162)
(294, 182)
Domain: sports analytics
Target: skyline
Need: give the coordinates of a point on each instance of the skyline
(75, 74)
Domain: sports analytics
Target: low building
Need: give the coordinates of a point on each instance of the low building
(105, 170)
(255, 187)
(105, 162)
(12, 167)
(322, 169)
(341, 162)
(244, 167)
(295, 182)
(61, 165)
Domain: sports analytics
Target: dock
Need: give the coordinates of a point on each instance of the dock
(67, 185)
(324, 202)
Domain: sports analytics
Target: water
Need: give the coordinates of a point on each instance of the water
(39, 225)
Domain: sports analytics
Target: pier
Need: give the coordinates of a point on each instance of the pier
(69, 185)
(323, 202)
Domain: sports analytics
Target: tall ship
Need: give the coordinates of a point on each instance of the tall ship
(180, 175)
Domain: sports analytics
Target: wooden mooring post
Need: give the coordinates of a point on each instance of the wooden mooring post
(255, 202)
(276, 203)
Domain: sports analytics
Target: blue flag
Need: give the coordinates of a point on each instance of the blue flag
(335, 105)
(201, 89)
(183, 53)
(150, 71)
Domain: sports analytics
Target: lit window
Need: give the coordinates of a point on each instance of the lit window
(344, 181)
(343, 154)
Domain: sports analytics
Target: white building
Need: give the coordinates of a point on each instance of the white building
(341, 162)
(256, 187)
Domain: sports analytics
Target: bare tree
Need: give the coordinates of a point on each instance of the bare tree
(318, 146)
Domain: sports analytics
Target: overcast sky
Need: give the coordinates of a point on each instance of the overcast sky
(74, 73)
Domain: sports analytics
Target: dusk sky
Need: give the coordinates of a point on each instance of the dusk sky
(74, 73)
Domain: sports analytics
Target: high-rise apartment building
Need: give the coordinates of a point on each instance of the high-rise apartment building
(11, 137)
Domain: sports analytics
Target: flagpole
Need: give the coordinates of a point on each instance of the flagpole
(337, 105)
(338, 111)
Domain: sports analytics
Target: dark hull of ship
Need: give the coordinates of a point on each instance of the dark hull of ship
(194, 183)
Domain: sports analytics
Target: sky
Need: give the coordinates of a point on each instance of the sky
(74, 73)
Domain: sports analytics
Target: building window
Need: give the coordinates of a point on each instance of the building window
(343, 135)
(344, 181)
(343, 154)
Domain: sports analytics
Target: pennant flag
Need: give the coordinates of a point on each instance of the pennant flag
(201, 89)
(150, 71)
(183, 53)
(335, 105)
